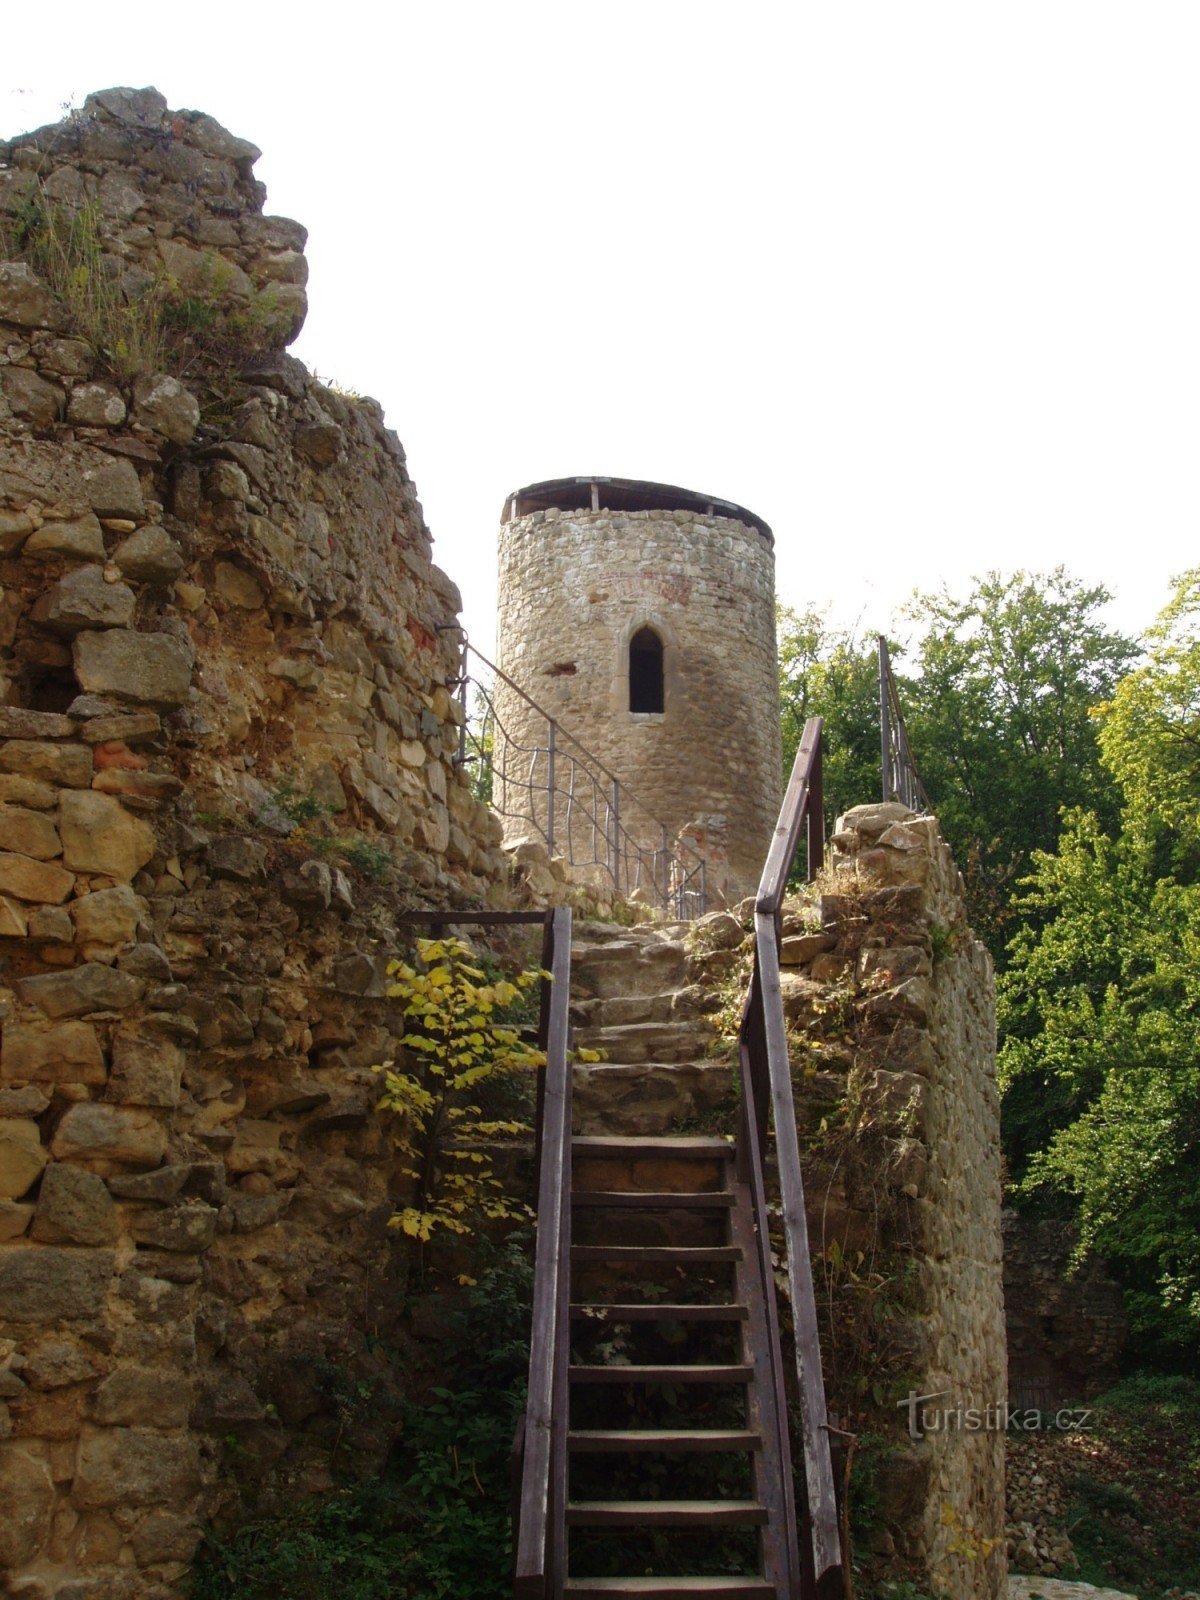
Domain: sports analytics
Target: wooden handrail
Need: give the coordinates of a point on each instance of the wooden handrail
(767, 1092)
(540, 1528)
(540, 1450)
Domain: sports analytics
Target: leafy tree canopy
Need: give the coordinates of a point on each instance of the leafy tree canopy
(1100, 1005)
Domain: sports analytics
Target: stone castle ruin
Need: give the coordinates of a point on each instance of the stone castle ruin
(229, 763)
(641, 618)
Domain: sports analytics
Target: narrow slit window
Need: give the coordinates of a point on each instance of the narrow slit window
(645, 671)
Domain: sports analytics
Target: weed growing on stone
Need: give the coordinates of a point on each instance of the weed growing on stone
(66, 250)
(149, 325)
(461, 1035)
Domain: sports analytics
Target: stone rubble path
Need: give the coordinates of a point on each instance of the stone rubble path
(1021, 1587)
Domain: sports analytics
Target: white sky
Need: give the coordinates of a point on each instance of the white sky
(919, 283)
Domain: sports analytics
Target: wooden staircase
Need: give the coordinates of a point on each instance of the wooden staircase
(655, 1456)
(717, 1342)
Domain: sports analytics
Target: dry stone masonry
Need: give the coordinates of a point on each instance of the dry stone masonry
(889, 1000)
(576, 587)
(223, 642)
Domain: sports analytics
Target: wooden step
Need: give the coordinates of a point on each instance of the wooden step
(662, 1374)
(665, 1514)
(636, 1147)
(670, 1588)
(662, 1200)
(673, 1313)
(675, 1441)
(677, 1254)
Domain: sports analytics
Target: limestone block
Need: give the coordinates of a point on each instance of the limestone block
(74, 1207)
(237, 587)
(281, 547)
(109, 1134)
(204, 272)
(56, 1362)
(162, 404)
(236, 857)
(27, 1495)
(26, 879)
(433, 829)
(24, 299)
(15, 528)
(107, 916)
(321, 442)
(83, 599)
(99, 835)
(22, 1157)
(149, 556)
(48, 1283)
(129, 727)
(147, 1067)
(64, 1052)
(165, 1536)
(28, 833)
(14, 1219)
(187, 1229)
(91, 987)
(154, 1397)
(225, 480)
(23, 1100)
(79, 539)
(32, 397)
(52, 923)
(154, 668)
(112, 487)
(96, 405)
(38, 761)
(134, 1467)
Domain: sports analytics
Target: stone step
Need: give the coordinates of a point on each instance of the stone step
(654, 1098)
(633, 1043)
(626, 969)
(623, 1009)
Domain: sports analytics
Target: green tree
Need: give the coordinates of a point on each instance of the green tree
(1100, 1006)
(830, 673)
(1000, 707)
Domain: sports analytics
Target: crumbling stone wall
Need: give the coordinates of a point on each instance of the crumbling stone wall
(574, 588)
(890, 997)
(227, 747)
(1066, 1327)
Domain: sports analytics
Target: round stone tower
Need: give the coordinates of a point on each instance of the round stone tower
(641, 617)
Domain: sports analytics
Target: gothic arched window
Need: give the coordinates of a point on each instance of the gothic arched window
(645, 671)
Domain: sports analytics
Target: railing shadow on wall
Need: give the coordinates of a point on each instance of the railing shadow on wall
(571, 802)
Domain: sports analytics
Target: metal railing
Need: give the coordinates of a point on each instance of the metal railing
(815, 1560)
(900, 780)
(550, 785)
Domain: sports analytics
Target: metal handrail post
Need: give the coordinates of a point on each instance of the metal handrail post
(550, 781)
(616, 858)
(885, 729)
